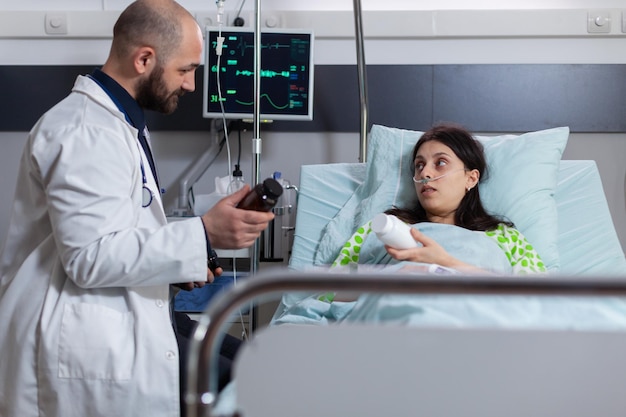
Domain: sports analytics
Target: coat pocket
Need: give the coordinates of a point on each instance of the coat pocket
(96, 342)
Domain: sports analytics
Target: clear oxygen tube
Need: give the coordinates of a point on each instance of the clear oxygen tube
(426, 180)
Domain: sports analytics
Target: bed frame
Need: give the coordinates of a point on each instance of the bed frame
(354, 369)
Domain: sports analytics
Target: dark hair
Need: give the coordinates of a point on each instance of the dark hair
(470, 214)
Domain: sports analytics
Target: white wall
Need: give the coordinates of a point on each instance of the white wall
(320, 4)
(498, 31)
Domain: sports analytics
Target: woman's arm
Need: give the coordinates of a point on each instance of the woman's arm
(349, 254)
(521, 254)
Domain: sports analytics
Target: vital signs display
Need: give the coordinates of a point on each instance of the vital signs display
(286, 82)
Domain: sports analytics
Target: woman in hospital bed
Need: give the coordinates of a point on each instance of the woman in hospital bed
(456, 232)
(448, 165)
(456, 235)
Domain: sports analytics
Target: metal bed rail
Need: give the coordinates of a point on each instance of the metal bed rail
(203, 355)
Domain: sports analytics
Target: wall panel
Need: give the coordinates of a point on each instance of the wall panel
(485, 97)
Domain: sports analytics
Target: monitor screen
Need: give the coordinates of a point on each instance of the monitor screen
(286, 74)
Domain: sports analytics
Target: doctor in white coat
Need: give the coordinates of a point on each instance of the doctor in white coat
(86, 270)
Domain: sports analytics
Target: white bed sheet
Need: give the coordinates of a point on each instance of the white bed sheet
(588, 243)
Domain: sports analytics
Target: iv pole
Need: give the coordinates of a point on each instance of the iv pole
(256, 141)
(361, 68)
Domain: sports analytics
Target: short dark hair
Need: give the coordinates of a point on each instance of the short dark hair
(154, 23)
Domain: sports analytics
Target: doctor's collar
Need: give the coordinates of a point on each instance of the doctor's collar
(128, 105)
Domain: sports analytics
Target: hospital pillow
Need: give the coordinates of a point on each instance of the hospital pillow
(522, 178)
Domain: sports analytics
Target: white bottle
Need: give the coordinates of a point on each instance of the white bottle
(393, 231)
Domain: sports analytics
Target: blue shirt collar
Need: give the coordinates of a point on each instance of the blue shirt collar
(127, 104)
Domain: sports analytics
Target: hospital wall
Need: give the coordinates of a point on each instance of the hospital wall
(433, 36)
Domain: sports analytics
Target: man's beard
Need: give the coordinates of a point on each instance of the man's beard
(152, 93)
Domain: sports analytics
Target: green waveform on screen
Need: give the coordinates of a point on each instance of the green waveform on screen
(264, 73)
(248, 73)
(292, 104)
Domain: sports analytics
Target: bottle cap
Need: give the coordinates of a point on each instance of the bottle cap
(277, 174)
(382, 223)
(272, 188)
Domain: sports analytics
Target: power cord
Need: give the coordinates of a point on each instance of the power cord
(238, 21)
(218, 68)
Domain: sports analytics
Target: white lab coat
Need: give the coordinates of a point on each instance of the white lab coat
(85, 326)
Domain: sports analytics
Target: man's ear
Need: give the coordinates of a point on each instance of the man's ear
(144, 60)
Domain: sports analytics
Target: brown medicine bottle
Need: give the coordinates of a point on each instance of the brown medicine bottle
(263, 196)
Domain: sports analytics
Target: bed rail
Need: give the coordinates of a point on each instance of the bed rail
(202, 378)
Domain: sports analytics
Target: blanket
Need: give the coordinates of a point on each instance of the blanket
(489, 311)
(471, 247)
(468, 246)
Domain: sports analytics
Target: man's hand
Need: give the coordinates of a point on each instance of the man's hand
(210, 277)
(231, 228)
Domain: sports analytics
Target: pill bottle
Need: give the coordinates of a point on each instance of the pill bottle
(263, 196)
(393, 231)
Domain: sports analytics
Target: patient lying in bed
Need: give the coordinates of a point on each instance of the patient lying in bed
(449, 221)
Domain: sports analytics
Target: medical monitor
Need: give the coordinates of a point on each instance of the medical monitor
(286, 74)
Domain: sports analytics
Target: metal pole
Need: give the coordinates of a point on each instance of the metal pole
(256, 140)
(360, 55)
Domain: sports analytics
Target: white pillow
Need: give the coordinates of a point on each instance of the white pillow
(522, 178)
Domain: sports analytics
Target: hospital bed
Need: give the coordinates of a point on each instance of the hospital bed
(436, 345)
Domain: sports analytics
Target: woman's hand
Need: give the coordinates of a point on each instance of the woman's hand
(430, 252)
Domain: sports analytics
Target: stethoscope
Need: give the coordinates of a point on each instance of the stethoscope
(147, 196)
(146, 193)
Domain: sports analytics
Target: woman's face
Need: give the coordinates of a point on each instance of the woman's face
(441, 197)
